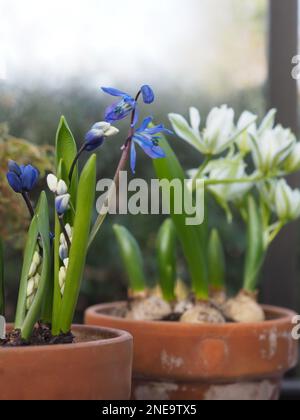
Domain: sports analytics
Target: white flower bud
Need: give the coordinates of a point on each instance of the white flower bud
(287, 201)
(219, 129)
(33, 269)
(69, 230)
(52, 183)
(61, 188)
(30, 287)
(36, 279)
(36, 258)
(292, 163)
(66, 262)
(62, 276)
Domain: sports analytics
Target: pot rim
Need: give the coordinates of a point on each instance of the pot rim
(283, 316)
(119, 336)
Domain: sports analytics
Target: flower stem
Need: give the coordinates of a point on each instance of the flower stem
(81, 150)
(235, 181)
(121, 166)
(275, 232)
(28, 204)
(200, 170)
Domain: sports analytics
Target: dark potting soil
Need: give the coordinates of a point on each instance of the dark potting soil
(41, 336)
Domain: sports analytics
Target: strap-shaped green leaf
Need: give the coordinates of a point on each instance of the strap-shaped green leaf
(2, 286)
(27, 260)
(166, 259)
(192, 238)
(255, 246)
(39, 230)
(66, 151)
(216, 261)
(78, 252)
(132, 258)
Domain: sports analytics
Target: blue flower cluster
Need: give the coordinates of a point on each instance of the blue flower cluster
(146, 136)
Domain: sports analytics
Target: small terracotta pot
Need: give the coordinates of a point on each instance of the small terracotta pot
(176, 361)
(96, 367)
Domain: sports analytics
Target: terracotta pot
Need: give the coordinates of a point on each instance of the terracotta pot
(96, 367)
(174, 361)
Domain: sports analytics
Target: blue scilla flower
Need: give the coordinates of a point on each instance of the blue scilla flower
(148, 139)
(121, 109)
(23, 178)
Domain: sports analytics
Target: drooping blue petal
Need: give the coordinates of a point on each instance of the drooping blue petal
(14, 181)
(14, 167)
(133, 157)
(148, 94)
(29, 178)
(113, 92)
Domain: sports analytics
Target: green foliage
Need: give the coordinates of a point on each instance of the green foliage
(216, 261)
(192, 238)
(132, 258)
(255, 245)
(166, 259)
(78, 252)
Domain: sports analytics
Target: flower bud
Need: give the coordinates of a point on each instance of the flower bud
(62, 203)
(61, 188)
(292, 163)
(32, 270)
(287, 201)
(30, 287)
(52, 183)
(62, 276)
(63, 252)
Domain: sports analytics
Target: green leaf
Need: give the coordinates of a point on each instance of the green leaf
(216, 261)
(255, 246)
(78, 251)
(166, 259)
(42, 227)
(66, 151)
(132, 258)
(2, 286)
(192, 238)
(57, 298)
(27, 260)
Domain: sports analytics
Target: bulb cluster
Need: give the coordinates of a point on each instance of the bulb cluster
(34, 277)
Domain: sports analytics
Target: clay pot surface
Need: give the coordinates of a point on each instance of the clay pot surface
(206, 362)
(97, 366)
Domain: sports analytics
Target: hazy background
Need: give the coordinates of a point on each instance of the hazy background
(55, 55)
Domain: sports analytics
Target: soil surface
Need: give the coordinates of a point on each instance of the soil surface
(41, 336)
